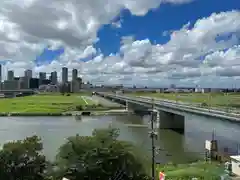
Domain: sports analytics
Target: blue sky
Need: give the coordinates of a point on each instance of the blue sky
(153, 42)
(166, 18)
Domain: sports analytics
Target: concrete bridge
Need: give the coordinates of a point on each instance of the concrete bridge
(168, 115)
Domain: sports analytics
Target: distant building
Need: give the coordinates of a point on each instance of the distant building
(49, 88)
(80, 82)
(34, 83)
(74, 74)
(216, 90)
(75, 86)
(28, 73)
(16, 78)
(23, 83)
(46, 82)
(42, 76)
(53, 77)
(10, 85)
(10, 76)
(235, 165)
(64, 75)
(86, 86)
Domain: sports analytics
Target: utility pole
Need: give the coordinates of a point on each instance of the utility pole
(153, 135)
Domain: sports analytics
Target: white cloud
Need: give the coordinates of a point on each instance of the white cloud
(178, 59)
(28, 26)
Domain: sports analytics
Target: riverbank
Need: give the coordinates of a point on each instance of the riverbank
(200, 170)
(86, 112)
(54, 103)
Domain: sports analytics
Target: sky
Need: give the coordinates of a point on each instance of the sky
(152, 43)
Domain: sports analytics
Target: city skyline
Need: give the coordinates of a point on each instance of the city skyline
(31, 73)
(27, 81)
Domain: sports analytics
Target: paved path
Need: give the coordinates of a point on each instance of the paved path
(103, 101)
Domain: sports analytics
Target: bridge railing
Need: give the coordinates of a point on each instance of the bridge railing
(198, 105)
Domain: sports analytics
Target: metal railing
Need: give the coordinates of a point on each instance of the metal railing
(180, 106)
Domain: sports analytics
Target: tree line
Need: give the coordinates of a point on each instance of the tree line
(100, 156)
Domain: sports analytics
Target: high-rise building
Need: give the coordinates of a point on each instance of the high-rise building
(74, 74)
(28, 73)
(79, 82)
(10, 76)
(34, 83)
(64, 75)
(54, 77)
(42, 75)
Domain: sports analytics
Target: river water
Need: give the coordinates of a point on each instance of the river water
(175, 147)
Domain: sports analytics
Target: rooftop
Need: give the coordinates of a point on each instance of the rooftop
(235, 157)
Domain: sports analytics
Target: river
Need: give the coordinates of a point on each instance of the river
(175, 147)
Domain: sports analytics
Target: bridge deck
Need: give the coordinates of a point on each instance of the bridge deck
(179, 108)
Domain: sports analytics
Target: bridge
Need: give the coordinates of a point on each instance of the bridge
(168, 114)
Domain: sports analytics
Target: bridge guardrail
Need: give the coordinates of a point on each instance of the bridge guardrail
(228, 110)
(179, 106)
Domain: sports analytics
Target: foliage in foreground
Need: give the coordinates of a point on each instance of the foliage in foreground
(22, 160)
(100, 156)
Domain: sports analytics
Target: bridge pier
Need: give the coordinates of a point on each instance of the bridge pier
(127, 105)
(167, 120)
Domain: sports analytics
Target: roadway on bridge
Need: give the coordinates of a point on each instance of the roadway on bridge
(183, 107)
(189, 105)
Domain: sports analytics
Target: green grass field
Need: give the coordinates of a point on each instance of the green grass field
(45, 103)
(200, 170)
(231, 100)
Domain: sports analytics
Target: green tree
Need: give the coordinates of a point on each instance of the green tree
(22, 160)
(100, 156)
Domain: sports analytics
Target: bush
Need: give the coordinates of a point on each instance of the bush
(79, 108)
(204, 104)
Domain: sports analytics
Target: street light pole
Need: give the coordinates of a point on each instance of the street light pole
(153, 135)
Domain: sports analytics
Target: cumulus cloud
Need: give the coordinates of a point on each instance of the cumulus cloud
(190, 53)
(28, 26)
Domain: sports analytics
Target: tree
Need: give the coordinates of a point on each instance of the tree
(22, 160)
(101, 156)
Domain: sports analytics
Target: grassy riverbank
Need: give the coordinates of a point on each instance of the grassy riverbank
(200, 170)
(221, 100)
(44, 103)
